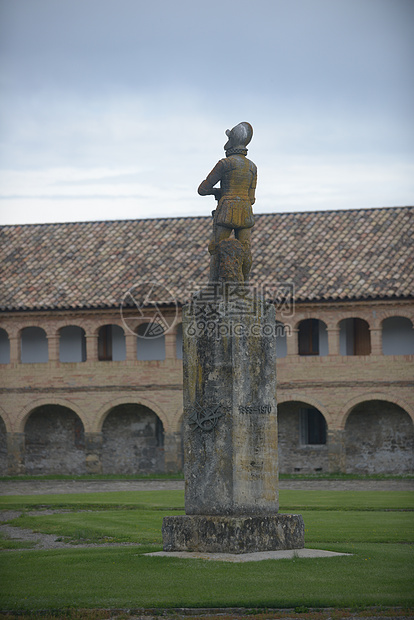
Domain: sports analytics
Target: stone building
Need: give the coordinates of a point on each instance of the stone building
(91, 371)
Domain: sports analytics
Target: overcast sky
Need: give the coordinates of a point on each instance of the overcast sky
(116, 109)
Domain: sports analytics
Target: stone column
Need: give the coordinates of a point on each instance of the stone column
(336, 451)
(14, 349)
(16, 453)
(333, 340)
(292, 343)
(131, 346)
(376, 340)
(230, 418)
(170, 345)
(53, 345)
(93, 452)
(91, 347)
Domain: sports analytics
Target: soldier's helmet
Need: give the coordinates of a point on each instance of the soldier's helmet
(239, 137)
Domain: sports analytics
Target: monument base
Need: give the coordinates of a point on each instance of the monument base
(240, 534)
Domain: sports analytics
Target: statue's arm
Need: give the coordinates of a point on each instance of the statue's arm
(207, 186)
(252, 188)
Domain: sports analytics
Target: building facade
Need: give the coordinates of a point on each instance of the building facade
(87, 386)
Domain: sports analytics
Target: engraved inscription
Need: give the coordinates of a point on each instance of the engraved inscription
(255, 408)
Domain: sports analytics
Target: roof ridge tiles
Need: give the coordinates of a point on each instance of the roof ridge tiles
(208, 217)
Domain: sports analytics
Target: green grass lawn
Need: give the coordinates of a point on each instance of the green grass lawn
(138, 526)
(144, 526)
(377, 528)
(155, 500)
(153, 476)
(375, 575)
(174, 500)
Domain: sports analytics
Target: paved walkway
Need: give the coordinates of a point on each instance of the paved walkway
(40, 487)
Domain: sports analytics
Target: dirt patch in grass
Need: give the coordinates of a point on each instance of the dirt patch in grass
(36, 540)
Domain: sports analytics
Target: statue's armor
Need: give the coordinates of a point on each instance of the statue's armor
(237, 176)
(236, 195)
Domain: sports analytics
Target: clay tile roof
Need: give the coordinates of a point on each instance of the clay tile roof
(329, 255)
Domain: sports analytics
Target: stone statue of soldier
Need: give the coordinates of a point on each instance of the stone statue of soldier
(236, 195)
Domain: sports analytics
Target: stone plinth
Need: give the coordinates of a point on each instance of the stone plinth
(233, 534)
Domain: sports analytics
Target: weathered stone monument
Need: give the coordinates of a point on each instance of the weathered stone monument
(230, 414)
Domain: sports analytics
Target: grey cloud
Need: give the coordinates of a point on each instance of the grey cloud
(125, 83)
(299, 49)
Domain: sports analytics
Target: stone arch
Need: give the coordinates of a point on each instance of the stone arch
(54, 441)
(388, 313)
(355, 313)
(305, 316)
(33, 323)
(6, 419)
(378, 438)
(77, 321)
(308, 399)
(353, 402)
(396, 315)
(94, 330)
(302, 437)
(138, 400)
(177, 420)
(51, 400)
(132, 440)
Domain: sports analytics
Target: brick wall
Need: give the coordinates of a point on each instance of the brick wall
(333, 384)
